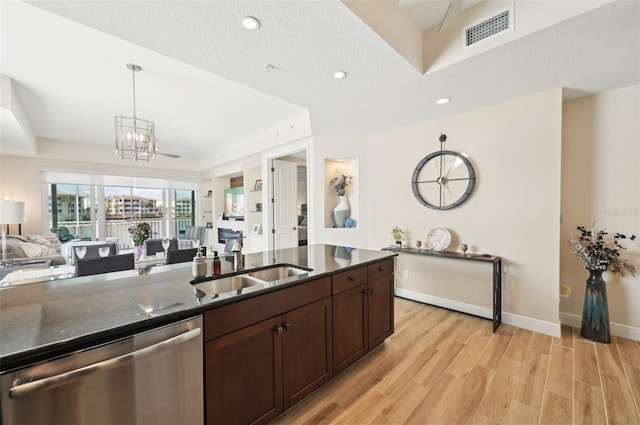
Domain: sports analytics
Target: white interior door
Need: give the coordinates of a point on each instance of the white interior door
(285, 193)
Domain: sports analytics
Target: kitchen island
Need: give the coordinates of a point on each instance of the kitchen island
(45, 320)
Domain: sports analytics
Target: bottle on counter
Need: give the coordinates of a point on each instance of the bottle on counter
(199, 265)
(217, 267)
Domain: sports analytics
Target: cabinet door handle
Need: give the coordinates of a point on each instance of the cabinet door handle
(370, 291)
(287, 326)
(278, 330)
(380, 269)
(350, 278)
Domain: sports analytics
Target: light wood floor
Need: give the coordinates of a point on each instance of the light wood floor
(444, 367)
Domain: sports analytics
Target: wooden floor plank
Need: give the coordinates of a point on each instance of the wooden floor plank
(588, 406)
(436, 366)
(497, 399)
(532, 380)
(556, 409)
(629, 351)
(586, 363)
(398, 409)
(461, 409)
(429, 410)
(560, 378)
(540, 343)
(494, 352)
(618, 401)
(519, 414)
(633, 374)
(467, 357)
(609, 360)
(566, 337)
(519, 345)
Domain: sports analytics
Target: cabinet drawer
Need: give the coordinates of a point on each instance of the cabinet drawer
(349, 279)
(379, 269)
(231, 317)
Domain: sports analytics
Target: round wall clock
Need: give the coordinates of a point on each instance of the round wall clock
(443, 179)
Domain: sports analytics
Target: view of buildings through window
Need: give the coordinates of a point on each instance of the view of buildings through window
(100, 212)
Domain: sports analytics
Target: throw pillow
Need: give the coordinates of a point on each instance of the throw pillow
(32, 250)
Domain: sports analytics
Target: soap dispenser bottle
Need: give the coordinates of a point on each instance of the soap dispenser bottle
(217, 267)
(199, 266)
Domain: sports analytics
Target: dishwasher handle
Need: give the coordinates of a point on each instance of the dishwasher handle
(56, 380)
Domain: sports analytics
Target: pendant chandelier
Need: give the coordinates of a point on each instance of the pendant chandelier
(135, 137)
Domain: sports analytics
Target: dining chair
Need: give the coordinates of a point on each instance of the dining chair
(93, 250)
(152, 246)
(114, 263)
(183, 255)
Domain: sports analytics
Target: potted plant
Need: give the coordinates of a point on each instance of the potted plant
(597, 252)
(398, 235)
(140, 232)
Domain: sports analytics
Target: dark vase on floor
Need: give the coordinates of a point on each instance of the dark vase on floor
(595, 313)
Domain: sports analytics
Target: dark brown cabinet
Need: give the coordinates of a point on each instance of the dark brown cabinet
(362, 311)
(265, 354)
(256, 372)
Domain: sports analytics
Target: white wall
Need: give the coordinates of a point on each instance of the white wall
(601, 182)
(513, 212)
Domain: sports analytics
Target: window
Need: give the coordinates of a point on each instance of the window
(107, 206)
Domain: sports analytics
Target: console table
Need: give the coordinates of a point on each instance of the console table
(497, 272)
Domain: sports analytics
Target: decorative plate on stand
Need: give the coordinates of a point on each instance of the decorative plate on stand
(438, 239)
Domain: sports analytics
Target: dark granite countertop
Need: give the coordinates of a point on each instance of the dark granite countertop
(46, 319)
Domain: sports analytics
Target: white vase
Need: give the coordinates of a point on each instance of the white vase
(341, 212)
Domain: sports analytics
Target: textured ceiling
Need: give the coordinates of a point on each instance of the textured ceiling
(205, 85)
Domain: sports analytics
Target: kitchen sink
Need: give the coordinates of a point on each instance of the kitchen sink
(228, 284)
(250, 280)
(277, 273)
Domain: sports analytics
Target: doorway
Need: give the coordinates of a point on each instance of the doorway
(289, 206)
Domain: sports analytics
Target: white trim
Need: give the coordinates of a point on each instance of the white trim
(487, 313)
(529, 323)
(617, 329)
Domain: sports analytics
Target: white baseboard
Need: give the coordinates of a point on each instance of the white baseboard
(616, 329)
(531, 324)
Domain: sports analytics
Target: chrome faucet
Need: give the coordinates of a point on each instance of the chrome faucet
(237, 254)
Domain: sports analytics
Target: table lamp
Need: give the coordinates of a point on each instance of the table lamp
(11, 212)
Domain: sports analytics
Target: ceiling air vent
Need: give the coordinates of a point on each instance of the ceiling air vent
(492, 26)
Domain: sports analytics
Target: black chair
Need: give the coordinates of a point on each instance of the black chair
(115, 263)
(93, 251)
(183, 255)
(151, 246)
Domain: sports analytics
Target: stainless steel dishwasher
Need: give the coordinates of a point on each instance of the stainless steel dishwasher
(154, 377)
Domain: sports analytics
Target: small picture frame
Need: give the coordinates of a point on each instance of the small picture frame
(256, 229)
(209, 225)
(258, 186)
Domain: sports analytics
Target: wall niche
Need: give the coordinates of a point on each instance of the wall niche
(341, 212)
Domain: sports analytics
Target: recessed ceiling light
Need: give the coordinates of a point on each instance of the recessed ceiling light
(443, 100)
(250, 23)
(339, 75)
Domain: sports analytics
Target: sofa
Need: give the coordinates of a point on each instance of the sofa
(32, 247)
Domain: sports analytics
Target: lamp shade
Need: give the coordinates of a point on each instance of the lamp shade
(12, 212)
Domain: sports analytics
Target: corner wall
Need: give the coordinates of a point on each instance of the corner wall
(601, 183)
